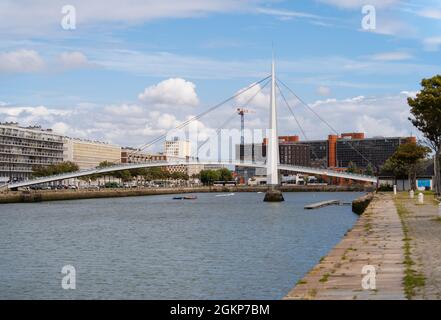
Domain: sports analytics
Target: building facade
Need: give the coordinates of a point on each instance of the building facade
(89, 154)
(290, 152)
(177, 148)
(338, 151)
(21, 148)
(361, 152)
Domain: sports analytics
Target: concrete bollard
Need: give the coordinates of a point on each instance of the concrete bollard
(411, 194)
(420, 198)
(395, 189)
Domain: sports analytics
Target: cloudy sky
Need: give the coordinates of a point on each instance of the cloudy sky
(131, 70)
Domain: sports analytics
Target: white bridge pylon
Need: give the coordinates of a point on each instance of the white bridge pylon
(121, 167)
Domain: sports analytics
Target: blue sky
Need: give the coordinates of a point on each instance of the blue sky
(88, 82)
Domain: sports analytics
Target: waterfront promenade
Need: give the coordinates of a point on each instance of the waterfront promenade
(376, 239)
(424, 231)
(399, 237)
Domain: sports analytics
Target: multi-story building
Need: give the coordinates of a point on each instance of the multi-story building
(338, 151)
(177, 148)
(361, 152)
(89, 154)
(22, 148)
(131, 155)
(290, 152)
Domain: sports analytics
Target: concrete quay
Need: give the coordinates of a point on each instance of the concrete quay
(375, 240)
(53, 195)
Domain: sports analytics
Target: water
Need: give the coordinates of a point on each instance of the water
(154, 247)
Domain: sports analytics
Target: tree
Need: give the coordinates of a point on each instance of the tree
(426, 112)
(405, 161)
(369, 170)
(352, 167)
(53, 169)
(209, 176)
(225, 174)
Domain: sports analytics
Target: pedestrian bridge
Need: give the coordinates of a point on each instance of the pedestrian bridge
(121, 167)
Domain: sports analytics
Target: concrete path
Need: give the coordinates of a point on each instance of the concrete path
(376, 239)
(425, 234)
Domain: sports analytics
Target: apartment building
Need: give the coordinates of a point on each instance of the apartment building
(21, 148)
(89, 154)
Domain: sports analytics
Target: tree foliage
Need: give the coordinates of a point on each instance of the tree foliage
(53, 169)
(426, 117)
(209, 176)
(405, 160)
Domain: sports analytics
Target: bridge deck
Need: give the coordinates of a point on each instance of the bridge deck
(120, 167)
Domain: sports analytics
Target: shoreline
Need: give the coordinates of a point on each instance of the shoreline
(59, 195)
(376, 241)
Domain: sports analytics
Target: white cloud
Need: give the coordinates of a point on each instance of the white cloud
(171, 92)
(324, 91)
(392, 56)
(411, 94)
(376, 116)
(60, 128)
(358, 4)
(288, 13)
(432, 13)
(39, 16)
(124, 110)
(74, 60)
(254, 97)
(432, 43)
(20, 61)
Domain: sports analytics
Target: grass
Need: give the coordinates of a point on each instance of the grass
(413, 280)
(312, 293)
(325, 277)
(301, 281)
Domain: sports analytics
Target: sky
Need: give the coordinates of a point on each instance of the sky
(132, 70)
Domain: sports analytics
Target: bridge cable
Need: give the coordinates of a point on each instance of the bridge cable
(235, 113)
(323, 120)
(187, 122)
(295, 118)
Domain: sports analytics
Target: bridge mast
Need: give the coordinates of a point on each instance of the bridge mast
(272, 154)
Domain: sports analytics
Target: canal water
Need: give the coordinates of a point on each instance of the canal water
(154, 247)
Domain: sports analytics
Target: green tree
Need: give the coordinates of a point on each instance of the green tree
(53, 169)
(405, 161)
(369, 170)
(352, 167)
(209, 176)
(426, 116)
(225, 174)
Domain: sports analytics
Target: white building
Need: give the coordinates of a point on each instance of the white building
(177, 148)
(89, 154)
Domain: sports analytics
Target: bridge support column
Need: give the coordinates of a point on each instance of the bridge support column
(272, 154)
(273, 195)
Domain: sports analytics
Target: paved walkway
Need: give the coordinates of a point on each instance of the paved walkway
(425, 234)
(377, 240)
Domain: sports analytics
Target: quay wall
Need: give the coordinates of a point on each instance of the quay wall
(54, 195)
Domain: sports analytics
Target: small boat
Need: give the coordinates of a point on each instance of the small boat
(225, 195)
(185, 198)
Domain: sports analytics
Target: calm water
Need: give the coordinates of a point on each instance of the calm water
(154, 247)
